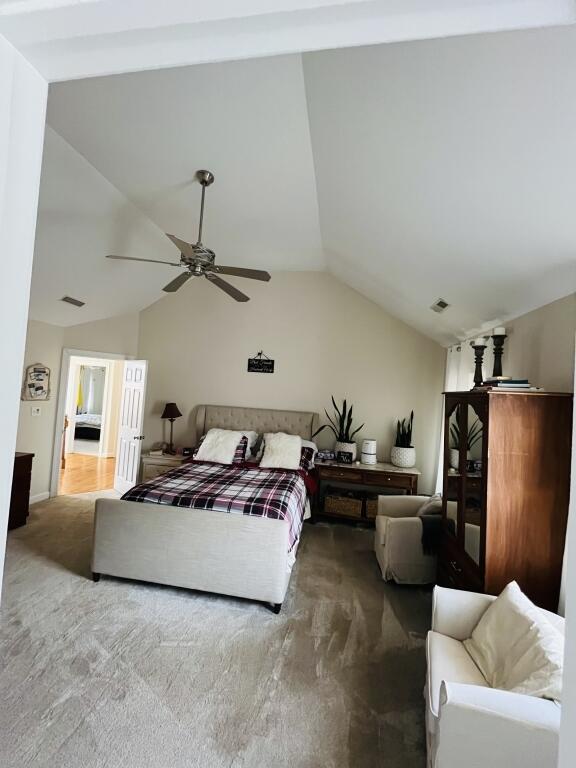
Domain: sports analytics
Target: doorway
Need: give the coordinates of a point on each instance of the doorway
(89, 408)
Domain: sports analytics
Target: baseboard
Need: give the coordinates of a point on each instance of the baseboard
(39, 497)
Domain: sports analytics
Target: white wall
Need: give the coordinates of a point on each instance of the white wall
(325, 338)
(22, 111)
(36, 433)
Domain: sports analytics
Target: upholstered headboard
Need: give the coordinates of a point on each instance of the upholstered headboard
(260, 420)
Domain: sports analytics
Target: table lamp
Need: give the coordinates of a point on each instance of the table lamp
(171, 412)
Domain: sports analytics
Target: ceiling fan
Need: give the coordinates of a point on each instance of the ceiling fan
(198, 260)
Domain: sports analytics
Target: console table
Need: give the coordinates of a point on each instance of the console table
(365, 480)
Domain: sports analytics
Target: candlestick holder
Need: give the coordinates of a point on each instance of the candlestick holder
(479, 350)
(498, 340)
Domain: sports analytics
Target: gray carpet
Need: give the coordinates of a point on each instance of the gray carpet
(125, 675)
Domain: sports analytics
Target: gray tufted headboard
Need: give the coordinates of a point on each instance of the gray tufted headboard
(303, 423)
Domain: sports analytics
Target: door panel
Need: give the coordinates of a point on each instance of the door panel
(130, 428)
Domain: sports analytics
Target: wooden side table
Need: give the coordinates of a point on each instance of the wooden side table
(20, 496)
(364, 480)
(152, 466)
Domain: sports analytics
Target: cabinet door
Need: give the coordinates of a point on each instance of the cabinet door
(452, 496)
(474, 497)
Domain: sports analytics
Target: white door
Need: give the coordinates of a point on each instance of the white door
(130, 427)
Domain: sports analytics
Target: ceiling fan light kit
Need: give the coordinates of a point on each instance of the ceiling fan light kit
(199, 261)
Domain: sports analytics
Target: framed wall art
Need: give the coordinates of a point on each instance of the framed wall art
(36, 384)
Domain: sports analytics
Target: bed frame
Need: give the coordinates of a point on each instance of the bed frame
(229, 554)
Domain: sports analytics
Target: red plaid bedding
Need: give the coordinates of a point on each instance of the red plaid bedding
(275, 493)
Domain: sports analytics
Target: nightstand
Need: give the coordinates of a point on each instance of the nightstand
(367, 481)
(152, 466)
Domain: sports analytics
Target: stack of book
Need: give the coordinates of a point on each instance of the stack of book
(508, 384)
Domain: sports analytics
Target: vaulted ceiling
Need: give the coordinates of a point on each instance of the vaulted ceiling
(412, 171)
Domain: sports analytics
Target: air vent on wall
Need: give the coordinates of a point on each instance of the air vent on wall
(439, 306)
(75, 302)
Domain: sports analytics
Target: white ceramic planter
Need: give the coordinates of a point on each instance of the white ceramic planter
(455, 458)
(403, 457)
(348, 447)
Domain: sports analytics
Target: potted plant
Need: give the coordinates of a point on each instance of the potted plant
(403, 454)
(473, 436)
(341, 426)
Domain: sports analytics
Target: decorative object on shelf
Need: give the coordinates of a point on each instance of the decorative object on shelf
(498, 338)
(325, 456)
(260, 363)
(479, 347)
(36, 384)
(403, 454)
(171, 412)
(341, 426)
(473, 436)
(368, 454)
(345, 457)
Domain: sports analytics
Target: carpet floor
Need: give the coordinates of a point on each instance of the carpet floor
(125, 675)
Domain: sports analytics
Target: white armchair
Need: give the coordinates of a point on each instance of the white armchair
(398, 541)
(467, 722)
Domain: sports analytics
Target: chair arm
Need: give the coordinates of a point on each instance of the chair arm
(400, 506)
(456, 612)
(480, 727)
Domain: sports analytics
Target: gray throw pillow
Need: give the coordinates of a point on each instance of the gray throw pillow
(432, 506)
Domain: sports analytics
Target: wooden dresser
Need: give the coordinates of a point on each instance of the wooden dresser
(364, 480)
(505, 500)
(20, 498)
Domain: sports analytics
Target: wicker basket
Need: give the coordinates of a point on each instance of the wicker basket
(343, 505)
(372, 507)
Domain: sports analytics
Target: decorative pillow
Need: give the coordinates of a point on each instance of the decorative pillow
(252, 438)
(432, 506)
(307, 455)
(241, 450)
(516, 648)
(219, 446)
(281, 451)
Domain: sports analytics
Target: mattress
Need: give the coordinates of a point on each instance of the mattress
(89, 420)
(236, 489)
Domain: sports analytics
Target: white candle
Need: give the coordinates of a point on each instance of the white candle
(480, 342)
(499, 332)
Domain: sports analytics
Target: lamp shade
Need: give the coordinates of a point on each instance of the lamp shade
(170, 411)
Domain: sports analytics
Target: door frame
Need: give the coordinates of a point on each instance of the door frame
(67, 354)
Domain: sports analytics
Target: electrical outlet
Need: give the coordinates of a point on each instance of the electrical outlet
(35, 410)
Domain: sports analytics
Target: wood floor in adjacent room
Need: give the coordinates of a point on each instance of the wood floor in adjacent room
(86, 473)
(121, 674)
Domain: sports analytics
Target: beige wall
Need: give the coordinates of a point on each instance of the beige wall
(325, 338)
(540, 346)
(44, 344)
(36, 433)
(115, 334)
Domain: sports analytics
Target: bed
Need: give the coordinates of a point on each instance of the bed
(87, 426)
(243, 555)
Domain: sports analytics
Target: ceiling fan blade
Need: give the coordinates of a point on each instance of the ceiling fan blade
(152, 261)
(182, 246)
(178, 282)
(227, 288)
(252, 274)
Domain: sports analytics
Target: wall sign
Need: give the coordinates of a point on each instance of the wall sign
(36, 384)
(260, 363)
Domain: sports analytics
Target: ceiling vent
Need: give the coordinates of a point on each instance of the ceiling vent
(74, 302)
(439, 306)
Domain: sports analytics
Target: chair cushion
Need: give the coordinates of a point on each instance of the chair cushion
(517, 648)
(448, 660)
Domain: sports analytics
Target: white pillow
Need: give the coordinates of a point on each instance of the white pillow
(516, 648)
(281, 451)
(219, 446)
(252, 437)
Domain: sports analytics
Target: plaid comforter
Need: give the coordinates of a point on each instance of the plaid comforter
(275, 493)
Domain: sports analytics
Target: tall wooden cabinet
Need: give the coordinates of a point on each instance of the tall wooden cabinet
(505, 500)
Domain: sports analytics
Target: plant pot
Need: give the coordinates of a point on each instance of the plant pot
(347, 448)
(455, 458)
(403, 457)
